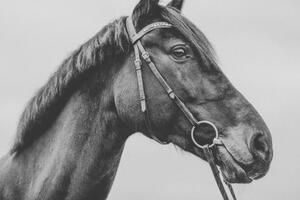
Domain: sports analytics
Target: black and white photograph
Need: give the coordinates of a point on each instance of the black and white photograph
(149, 100)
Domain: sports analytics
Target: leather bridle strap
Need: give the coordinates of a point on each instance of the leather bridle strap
(140, 50)
(210, 159)
(137, 45)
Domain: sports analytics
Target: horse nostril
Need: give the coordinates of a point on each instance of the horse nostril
(259, 146)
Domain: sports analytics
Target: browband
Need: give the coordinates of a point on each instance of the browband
(136, 36)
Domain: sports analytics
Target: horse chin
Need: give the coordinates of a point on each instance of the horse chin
(232, 171)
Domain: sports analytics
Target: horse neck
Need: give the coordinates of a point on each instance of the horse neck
(81, 150)
(98, 159)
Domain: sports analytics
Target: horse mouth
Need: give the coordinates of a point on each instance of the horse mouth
(231, 169)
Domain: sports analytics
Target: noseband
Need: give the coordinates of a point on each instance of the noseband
(139, 50)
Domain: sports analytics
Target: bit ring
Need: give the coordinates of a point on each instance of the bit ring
(216, 138)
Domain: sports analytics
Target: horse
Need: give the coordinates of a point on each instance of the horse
(71, 135)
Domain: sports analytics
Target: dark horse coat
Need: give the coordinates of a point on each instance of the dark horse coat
(72, 132)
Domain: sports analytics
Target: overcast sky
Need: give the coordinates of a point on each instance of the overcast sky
(258, 45)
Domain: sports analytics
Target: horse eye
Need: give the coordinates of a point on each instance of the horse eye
(179, 53)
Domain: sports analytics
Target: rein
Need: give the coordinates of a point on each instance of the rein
(139, 50)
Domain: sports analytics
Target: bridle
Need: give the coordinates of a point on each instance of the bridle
(139, 50)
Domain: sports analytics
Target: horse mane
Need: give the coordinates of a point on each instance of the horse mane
(111, 42)
(47, 103)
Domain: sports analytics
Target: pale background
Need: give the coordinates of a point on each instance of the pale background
(258, 43)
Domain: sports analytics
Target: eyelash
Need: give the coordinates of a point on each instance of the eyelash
(182, 50)
(179, 52)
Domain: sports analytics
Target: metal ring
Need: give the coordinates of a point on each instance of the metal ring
(193, 131)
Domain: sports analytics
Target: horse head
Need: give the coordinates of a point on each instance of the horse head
(186, 61)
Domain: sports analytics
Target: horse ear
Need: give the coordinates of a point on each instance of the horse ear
(144, 9)
(177, 4)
